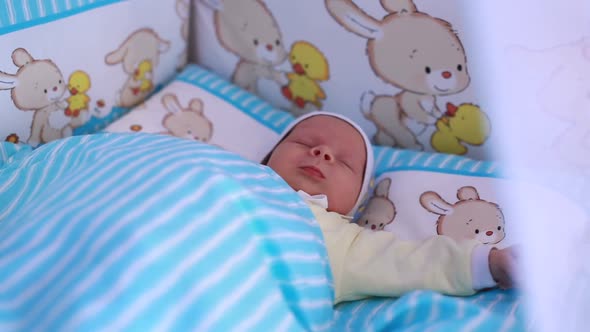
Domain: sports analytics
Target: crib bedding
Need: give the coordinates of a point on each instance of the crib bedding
(495, 310)
(127, 224)
(133, 232)
(96, 58)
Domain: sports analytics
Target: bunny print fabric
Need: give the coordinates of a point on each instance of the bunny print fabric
(401, 69)
(200, 106)
(73, 67)
(417, 195)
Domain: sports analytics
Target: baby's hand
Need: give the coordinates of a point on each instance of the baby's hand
(503, 266)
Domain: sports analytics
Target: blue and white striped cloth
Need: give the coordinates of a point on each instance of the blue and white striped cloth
(118, 232)
(391, 159)
(419, 311)
(18, 14)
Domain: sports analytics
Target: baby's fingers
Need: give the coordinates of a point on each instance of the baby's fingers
(506, 264)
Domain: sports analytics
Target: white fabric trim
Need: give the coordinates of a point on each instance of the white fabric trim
(321, 200)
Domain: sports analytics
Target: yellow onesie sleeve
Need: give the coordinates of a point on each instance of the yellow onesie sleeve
(366, 263)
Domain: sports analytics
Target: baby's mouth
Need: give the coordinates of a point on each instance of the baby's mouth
(313, 172)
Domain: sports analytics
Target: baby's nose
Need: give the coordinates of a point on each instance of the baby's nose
(373, 227)
(322, 152)
(489, 233)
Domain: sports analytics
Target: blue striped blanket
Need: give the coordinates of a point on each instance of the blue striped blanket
(139, 232)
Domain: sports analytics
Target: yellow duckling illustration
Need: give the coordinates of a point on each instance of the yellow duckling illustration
(143, 74)
(78, 85)
(309, 67)
(465, 123)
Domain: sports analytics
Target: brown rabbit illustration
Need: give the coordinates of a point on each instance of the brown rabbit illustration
(469, 218)
(38, 86)
(380, 211)
(190, 123)
(413, 51)
(139, 54)
(248, 29)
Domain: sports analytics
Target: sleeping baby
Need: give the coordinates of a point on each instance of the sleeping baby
(328, 160)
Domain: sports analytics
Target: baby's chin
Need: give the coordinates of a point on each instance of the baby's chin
(308, 189)
(302, 182)
(343, 210)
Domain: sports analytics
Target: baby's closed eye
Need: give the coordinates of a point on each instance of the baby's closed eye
(300, 142)
(348, 164)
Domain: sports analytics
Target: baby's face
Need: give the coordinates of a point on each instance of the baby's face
(323, 155)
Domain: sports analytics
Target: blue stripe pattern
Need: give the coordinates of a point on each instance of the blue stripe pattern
(248, 103)
(20, 14)
(496, 310)
(9, 151)
(144, 232)
(390, 159)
